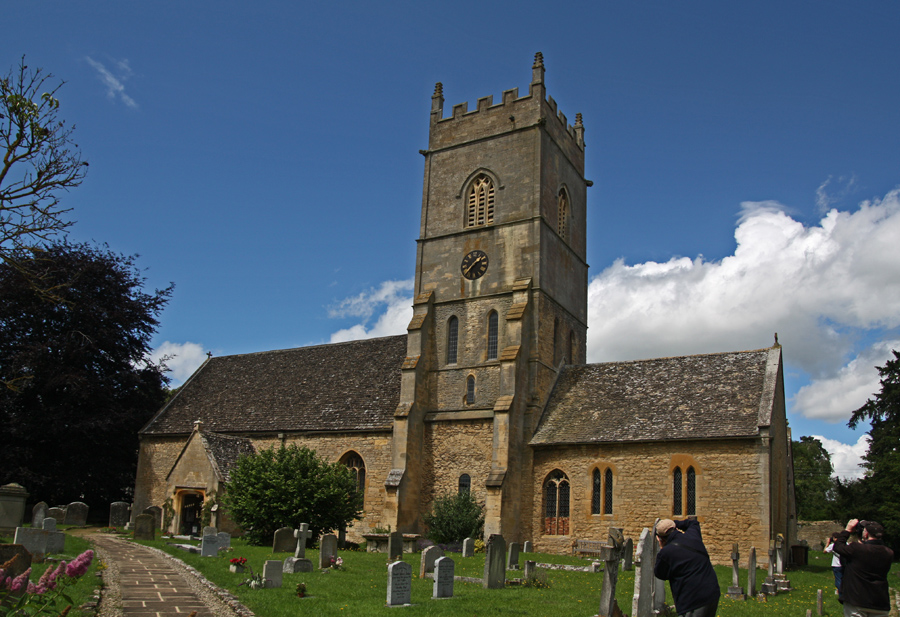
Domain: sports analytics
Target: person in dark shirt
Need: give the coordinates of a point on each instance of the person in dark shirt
(866, 565)
(684, 562)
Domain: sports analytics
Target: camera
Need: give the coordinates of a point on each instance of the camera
(858, 528)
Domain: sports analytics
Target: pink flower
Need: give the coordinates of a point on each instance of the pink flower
(20, 581)
(80, 565)
(59, 571)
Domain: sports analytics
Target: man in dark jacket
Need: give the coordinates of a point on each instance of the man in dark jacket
(866, 565)
(684, 562)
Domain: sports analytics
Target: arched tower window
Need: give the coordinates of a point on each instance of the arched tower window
(492, 336)
(465, 483)
(480, 202)
(563, 213)
(676, 492)
(470, 390)
(452, 339)
(355, 464)
(556, 504)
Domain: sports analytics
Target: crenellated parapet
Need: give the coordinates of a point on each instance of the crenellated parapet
(512, 113)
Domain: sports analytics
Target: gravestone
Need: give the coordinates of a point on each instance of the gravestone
(529, 572)
(820, 602)
(295, 565)
(272, 572)
(119, 513)
(512, 561)
(628, 556)
(596, 566)
(649, 591)
(58, 513)
(751, 573)
(527, 548)
(769, 587)
(12, 504)
(224, 540)
(40, 542)
(429, 556)
(49, 524)
(301, 535)
(209, 531)
(468, 548)
(76, 514)
(399, 586)
(779, 554)
(735, 592)
(22, 562)
(443, 578)
(283, 540)
(39, 513)
(611, 555)
(157, 513)
(495, 562)
(209, 546)
(395, 545)
(144, 527)
(327, 550)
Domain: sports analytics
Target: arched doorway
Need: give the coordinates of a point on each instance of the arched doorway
(190, 513)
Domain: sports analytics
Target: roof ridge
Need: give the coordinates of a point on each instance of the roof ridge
(290, 349)
(696, 355)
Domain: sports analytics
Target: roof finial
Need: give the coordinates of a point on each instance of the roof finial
(198, 425)
(438, 89)
(537, 71)
(538, 60)
(578, 122)
(776, 340)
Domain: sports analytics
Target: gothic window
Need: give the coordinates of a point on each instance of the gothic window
(465, 483)
(470, 390)
(676, 492)
(492, 336)
(556, 504)
(602, 492)
(480, 202)
(684, 489)
(608, 491)
(563, 211)
(354, 462)
(596, 493)
(452, 339)
(691, 492)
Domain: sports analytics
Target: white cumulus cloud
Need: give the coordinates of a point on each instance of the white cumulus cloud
(846, 458)
(115, 86)
(182, 359)
(392, 299)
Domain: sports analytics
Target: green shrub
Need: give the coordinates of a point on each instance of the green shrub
(455, 517)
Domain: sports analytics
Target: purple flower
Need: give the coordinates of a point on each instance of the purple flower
(20, 581)
(80, 565)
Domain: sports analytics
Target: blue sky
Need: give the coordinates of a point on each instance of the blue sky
(264, 158)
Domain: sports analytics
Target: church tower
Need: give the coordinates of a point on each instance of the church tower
(500, 304)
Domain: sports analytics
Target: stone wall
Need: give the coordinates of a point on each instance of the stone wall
(451, 449)
(816, 533)
(156, 456)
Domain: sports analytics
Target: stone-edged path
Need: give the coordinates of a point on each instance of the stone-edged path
(144, 582)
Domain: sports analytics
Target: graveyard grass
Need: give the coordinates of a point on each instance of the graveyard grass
(360, 588)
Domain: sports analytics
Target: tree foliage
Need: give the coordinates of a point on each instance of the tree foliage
(75, 381)
(287, 486)
(40, 160)
(814, 485)
(882, 461)
(455, 517)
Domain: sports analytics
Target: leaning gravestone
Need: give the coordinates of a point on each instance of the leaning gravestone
(119, 513)
(156, 512)
(468, 548)
(395, 545)
(58, 513)
(751, 573)
(39, 513)
(283, 540)
(429, 556)
(512, 562)
(443, 578)
(209, 546)
(272, 572)
(327, 550)
(735, 592)
(224, 540)
(76, 514)
(39, 542)
(144, 527)
(495, 562)
(399, 587)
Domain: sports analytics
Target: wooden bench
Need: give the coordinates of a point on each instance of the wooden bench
(587, 547)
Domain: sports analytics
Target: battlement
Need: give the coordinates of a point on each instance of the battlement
(513, 112)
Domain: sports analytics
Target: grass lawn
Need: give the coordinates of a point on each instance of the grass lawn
(360, 588)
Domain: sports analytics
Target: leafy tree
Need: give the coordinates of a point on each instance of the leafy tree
(882, 461)
(455, 517)
(39, 160)
(812, 479)
(287, 486)
(75, 381)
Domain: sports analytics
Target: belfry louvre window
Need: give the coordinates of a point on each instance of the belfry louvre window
(452, 339)
(492, 336)
(480, 202)
(602, 492)
(563, 211)
(556, 504)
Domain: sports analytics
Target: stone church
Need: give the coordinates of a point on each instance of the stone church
(489, 391)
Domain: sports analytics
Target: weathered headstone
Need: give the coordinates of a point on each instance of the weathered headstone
(22, 563)
(468, 548)
(527, 547)
(512, 561)
(283, 540)
(157, 513)
(49, 524)
(399, 586)
(12, 504)
(224, 540)
(209, 531)
(119, 513)
(751, 573)
(443, 578)
(395, 545)
(430, 555)
(628, 556)
(735, 592)
(39, 513)
(58, 513)
(495, 562)
(209, 546)
(76, 514)
(649, 591)
(39, 542)
(327, 550)
(144, 527)
(611, 555)
(272, 572)
(301, 535)
(529, 571)
(768, 587)
(781, 581)
(295, 565)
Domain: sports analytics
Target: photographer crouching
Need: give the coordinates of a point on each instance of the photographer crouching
(866, 565)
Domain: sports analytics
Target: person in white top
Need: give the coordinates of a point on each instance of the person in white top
(836, 566)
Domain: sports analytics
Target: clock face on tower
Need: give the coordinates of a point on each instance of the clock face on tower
(474, 265)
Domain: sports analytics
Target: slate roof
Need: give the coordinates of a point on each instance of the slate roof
(689, 397)
(342, 386)
(225, 450)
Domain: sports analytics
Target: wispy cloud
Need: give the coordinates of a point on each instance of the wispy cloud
(182, 359)
(392, 299)
(115, 88)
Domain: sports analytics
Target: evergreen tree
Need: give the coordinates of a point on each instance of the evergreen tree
(812, 479)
